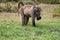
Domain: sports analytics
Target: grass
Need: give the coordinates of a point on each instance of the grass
(12, 30)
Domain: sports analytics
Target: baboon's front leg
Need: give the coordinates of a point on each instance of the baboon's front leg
(23, 20)
(33, 20)
(26, 20)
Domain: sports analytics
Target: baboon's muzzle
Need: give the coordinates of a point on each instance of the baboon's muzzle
(38, 18)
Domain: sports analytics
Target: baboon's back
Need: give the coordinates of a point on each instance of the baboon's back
(28, 9)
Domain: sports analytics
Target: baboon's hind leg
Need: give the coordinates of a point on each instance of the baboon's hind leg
(23, 20)
(26, 20)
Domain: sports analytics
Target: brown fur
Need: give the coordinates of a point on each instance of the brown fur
(27, 11)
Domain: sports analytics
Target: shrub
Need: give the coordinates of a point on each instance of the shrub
(14, 9)
(8, 7)
(1, 9)
(56, 15)
(48, 1)
(41, 1)
(56, 11)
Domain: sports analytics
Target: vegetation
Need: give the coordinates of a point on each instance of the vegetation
(41, 1)
(12, 30)
(56, 11)
(1, 9)
(8, 7)
(49, 1)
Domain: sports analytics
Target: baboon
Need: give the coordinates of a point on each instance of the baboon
(27, 11)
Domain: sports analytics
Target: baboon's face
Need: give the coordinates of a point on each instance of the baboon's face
(38, 14)
(38, 18)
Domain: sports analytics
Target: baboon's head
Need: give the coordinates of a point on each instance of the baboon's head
(38, 14)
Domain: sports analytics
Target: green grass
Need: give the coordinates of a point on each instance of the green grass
(12, 30)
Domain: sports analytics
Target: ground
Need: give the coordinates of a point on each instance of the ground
(48, 28)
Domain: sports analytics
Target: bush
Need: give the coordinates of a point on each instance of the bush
(1, 9)
(56, 11)
(41, 1)
(14, 9)
(56, 15)
(49, 1)
(9, 0)
(8, 7)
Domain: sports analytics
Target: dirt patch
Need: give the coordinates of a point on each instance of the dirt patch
(9, 16)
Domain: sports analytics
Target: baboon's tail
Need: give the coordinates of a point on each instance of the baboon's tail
(20, 4)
